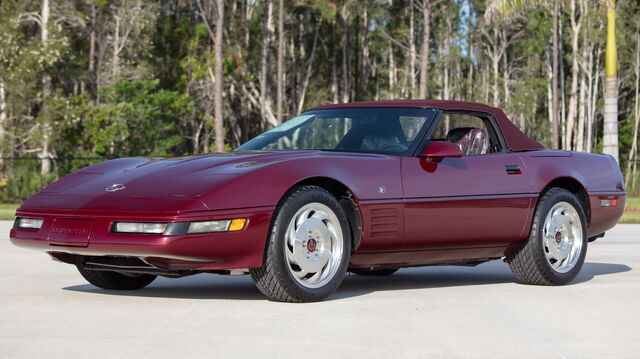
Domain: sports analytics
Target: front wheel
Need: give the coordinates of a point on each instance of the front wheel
(557, 244)
(308, 249)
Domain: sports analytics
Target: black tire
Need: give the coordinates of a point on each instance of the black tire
(115, 280)
(382, 272)
(275, 279)
(529, 263)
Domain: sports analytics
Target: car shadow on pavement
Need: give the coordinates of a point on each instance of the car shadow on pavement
(243, 288)
(590, 270)
(201, 286)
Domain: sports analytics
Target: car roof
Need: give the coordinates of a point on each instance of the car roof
(515, 139)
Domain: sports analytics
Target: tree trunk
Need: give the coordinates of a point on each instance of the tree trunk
(356, 71)
(610, 131)
(279, 76)
(392, 72)
(634, 143)
(334, 73)
(562, 130)
(550, 91)
(447, 63)
(424, 54)
(217, 90)
(589, 74)
(582, 104)
(302, 56)
(264, 101)
(495, 62)
(364, 70)
(45, 153)
(507, 73)
(346, 64)
(470, 50)
(305, 83)
(470, 81)
(116, 41)
(637, 114)
(244, 111)
(3, 120)
(92, 51)
(554, 80)
(294, 70)
(412, 52)
(573, 96)
(594, 102)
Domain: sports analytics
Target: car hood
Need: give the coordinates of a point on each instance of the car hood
(177, 182)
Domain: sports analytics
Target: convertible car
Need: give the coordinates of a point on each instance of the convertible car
(365, 187)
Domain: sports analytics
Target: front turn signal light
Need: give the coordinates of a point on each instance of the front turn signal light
(237, 224)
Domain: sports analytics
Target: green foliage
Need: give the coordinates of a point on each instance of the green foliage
(135, 118)
(632, 211)
(23, 182)
(8, 211)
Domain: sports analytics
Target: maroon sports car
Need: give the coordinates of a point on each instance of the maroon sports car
(364, 187)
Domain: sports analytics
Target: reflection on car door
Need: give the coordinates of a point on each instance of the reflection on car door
(471, 201)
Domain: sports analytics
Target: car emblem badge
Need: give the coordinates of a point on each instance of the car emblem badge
(115, 187)
(558, 237)
(311, 245)
(382, 190)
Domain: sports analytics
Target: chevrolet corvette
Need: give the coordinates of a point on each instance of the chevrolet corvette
(364, 187)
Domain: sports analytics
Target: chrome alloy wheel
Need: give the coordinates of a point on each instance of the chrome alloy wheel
(562, 237)
(313, 245)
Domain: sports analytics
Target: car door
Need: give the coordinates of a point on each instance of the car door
(481, 199)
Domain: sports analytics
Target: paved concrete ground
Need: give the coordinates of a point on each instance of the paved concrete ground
(48, 310)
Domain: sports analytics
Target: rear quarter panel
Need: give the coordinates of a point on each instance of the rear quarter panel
(599, 175)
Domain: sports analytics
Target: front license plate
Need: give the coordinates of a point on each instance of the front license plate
(70, 232)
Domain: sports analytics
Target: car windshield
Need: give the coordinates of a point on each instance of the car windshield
(375, 130)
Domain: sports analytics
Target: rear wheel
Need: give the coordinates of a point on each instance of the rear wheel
(374, 272)
(308, 250)
(115, 280)
(557, 244)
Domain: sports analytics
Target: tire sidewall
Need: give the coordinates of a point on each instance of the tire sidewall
(544, 207)
(277, 241)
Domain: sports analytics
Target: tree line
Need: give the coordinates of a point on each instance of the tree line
(97, 79)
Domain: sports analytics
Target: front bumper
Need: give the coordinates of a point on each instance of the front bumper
(206, 251)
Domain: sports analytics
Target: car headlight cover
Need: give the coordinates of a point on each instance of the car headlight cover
(29, 223)
(209, 226)
(180, 228)
(140, 227)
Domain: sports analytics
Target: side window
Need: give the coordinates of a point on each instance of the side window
(473, 134)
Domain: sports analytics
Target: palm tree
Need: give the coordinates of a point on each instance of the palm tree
(610, 132)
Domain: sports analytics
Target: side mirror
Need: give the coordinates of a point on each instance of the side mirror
(441, 149)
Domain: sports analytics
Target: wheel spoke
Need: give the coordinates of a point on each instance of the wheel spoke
(320, 215)
(302, 217)
(292, 257)
(300, 274)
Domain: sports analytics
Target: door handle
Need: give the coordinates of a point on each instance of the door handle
(513, 169)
